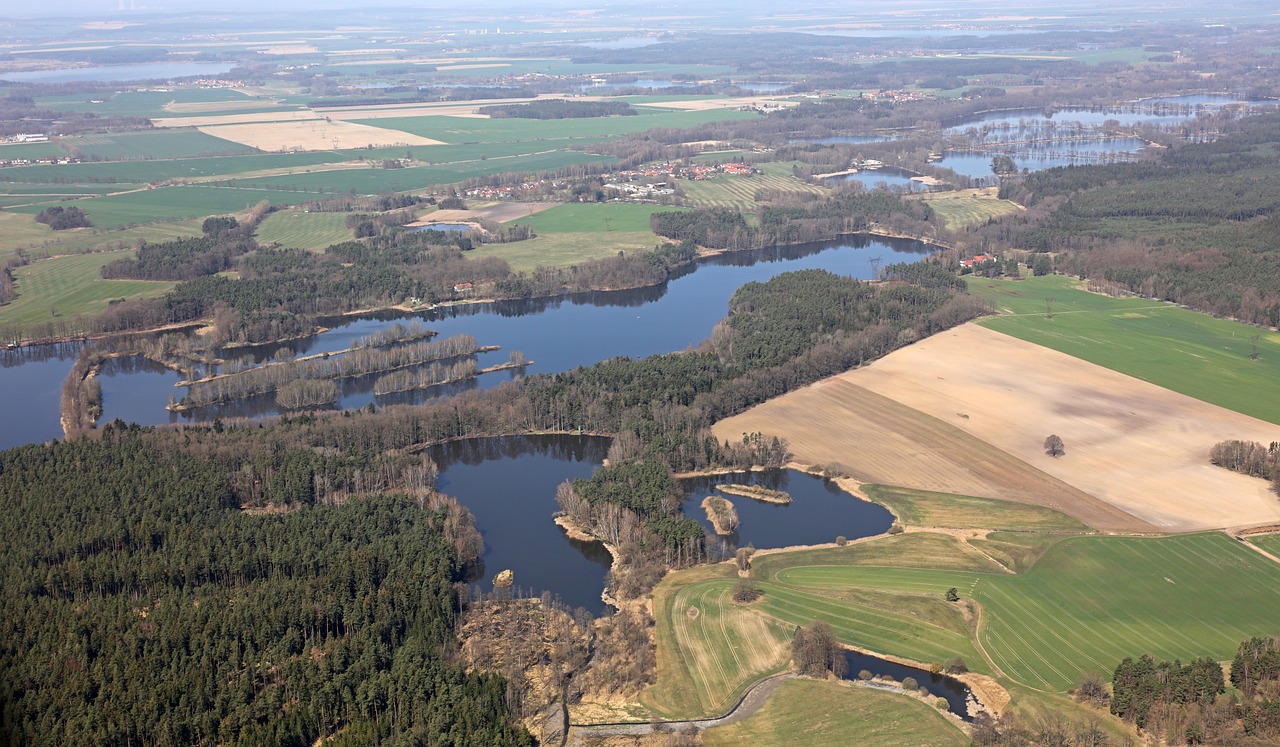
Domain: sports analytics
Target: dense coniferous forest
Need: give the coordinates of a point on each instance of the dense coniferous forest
(142, 605)
(1197, 226)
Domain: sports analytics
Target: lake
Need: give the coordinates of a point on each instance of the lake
(510, 485)
(605, 324)
(1040, 156)
(121, 73)
(897, 180)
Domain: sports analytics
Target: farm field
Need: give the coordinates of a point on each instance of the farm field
(315, 134)
(809, 713)
(564, 249)
(71, 286)
(1134, 446)
(1268, 542)
(18, 151)
(839, 424)
(152, 144)
(373, 180)
(1176, 348)
(146, 206)
(162, 170)
(969, 207)
(1058, 619)
(485, 130)
(293, 229)
(18, 230)
(710, 648)
(582, 217)
(739, 191)
(578, 232)
(930, 509)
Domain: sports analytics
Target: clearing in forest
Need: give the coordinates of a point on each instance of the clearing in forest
(970, 207)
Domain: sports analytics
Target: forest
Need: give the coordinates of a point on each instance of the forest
(143, 605)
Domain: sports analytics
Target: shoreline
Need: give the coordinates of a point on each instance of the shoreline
(703, 253)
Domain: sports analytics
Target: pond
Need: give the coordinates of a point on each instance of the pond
(819, 511)
(120, 73)
(895, 179)
(955, 692)
(32, 386)
(510, 485)
(446, 227)
(605, 324)
(1040, 156)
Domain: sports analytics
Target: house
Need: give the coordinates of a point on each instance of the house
(977, 260)
(462, 287)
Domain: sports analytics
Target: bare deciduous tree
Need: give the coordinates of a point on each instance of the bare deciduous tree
(1054, 447)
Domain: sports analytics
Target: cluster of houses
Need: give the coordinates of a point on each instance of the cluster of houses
(896, 96)
(508, 191)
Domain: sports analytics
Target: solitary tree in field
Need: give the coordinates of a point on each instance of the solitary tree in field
(1053, 446)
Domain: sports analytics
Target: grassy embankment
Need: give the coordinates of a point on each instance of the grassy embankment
(822, 714)
(969, 207)
(1176, 348)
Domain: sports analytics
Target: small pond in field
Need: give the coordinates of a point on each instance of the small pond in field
(955, 692)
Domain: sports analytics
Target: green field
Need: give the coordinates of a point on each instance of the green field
(163, 170)
(578, 232)
(19, 230)
(1087, 604)
(66, 287)
(479, 130)
(710, 649)
(1176, 348)
(153, 144)
(585, 217)
(373, 180)
(740, 191)
(144, 103)
(165, 203)
(1268, 542)
(970, 207)
(293, 229)
(925, 508)
(809, 713)
(19, 151)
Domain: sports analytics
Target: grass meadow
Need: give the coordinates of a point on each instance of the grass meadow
(159, 170)
(711, 648)
(167, 203)
(970, 207)
(1176, 348)
(1085, 605)
(739, 191)
(294, 229)
(809, 713)
(930, 509)
(578, 232)
(71, 286)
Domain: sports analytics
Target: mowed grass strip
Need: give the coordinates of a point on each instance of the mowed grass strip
(810, 713)
(70, 286)
(294, 229)
(910, 550)
(1188, 352)
(970, 207)
(719, 649)
(931, 509)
